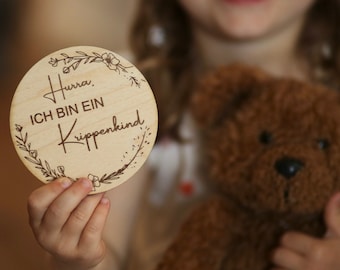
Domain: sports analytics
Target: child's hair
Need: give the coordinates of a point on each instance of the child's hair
(161, 41)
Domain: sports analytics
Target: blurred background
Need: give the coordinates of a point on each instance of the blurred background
(29, 31)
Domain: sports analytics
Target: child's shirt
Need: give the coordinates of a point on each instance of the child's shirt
(168, 197)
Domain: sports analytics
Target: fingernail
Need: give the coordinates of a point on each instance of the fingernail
(65, 182)
(104, 200)
(86, 182)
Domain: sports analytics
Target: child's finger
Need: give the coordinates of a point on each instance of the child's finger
(332, 216)
(94, 228)
(287, 259)
(80, 217)
(61, 208)
(299, 243)
(41, 199)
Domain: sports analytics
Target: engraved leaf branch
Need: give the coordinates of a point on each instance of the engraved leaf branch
(106, 178)
(43, 166)
(52, 174)
(109, 59)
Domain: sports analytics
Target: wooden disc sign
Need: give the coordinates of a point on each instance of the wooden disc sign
(84, 112)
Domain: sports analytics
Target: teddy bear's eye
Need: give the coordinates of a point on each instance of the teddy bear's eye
(323, 144)
(265, 137)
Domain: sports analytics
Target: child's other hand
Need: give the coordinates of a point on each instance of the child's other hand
(301, 252)
(68, 223)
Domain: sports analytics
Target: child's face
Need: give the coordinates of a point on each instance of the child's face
(244, 19)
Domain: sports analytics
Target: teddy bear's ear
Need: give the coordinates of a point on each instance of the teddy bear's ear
(225, 90)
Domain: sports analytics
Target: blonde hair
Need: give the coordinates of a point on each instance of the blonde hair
(169, 65)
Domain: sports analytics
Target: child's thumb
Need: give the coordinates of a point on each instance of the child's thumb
(332, 216)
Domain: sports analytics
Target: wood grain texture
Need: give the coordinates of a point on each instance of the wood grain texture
(84, 112)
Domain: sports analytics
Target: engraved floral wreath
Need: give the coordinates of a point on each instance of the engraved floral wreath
(52, 174)
(108, 58)
(72, 63)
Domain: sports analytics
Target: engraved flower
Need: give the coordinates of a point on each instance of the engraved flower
(18, 128)
(94, 179)
(61, 169)
(110, 60)
(53, 62)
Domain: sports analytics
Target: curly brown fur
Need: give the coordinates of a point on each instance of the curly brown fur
(273, 159)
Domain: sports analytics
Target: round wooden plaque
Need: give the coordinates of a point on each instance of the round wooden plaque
(84, 112)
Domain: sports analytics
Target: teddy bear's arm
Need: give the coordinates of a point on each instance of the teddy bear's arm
(202, 241)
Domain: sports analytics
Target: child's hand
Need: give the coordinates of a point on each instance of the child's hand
(68, 223)
(302, 252)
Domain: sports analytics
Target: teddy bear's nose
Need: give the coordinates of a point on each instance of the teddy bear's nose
(288, 167)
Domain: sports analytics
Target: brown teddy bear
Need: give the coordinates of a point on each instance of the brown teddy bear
(273, 149)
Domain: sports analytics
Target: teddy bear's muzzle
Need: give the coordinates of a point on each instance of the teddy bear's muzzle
(288, 167)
